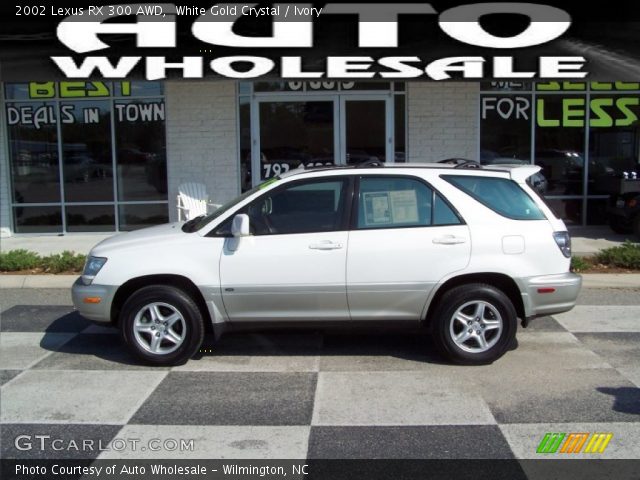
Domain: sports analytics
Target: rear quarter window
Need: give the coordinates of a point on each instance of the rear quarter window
(502, 195)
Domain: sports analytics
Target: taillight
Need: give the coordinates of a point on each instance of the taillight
(563, 240)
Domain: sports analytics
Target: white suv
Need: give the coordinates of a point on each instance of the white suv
(462, 251)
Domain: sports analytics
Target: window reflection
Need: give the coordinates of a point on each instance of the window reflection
(292, 133)
(91, 218)
(245, 144)
(53, 175)
(33, 147)
(140, 149)
(86, 151)
(560, 137)
(505, 129)
(366, 140)
(614, 141)
(37, 219)
(134, 217)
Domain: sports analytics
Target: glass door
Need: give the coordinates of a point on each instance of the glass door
(291, 132)
(366, 129)
(316, 130)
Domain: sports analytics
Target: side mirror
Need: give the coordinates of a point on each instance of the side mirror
(240, 225)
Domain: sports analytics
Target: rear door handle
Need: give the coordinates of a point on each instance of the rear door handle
(325, 245)
(449, 240)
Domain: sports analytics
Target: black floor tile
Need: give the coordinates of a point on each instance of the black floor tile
(39, 318)
(190, 398)
(413, 442)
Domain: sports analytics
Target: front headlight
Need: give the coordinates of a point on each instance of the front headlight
(91, 268)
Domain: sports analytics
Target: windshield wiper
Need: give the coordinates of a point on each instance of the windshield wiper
(189, 226)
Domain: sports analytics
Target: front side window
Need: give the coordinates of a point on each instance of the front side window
(393, 202)
(503, 196)
(312, 206)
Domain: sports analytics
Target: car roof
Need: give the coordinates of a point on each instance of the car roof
(519, 173)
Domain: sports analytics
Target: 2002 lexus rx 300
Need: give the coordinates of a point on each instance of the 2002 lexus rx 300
(464, 252)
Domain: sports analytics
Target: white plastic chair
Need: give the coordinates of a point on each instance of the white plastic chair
(193, 201)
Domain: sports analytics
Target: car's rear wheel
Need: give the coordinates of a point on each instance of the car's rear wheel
(636, 226)
(474, 324)
(162, 325)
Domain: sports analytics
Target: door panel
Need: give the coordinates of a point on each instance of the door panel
(391, 272)
(286, 278)
(293, 265)
(405, 238)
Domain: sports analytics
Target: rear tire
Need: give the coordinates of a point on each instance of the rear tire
(474, 324)
(162, 325)
(636, 226)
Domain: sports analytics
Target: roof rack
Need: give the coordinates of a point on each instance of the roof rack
(461, 163)
(468, 164)
(370, 163)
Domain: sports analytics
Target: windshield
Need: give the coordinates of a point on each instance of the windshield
(202, 221)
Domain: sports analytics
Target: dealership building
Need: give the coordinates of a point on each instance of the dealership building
(111, 156)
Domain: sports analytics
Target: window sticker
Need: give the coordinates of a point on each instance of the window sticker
(377, 209)
(404, 206)
(387, 208)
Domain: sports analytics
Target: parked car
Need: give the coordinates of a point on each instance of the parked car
(463, 252)
(624, 213)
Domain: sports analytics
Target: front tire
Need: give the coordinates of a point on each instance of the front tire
(162, 325)
(474, 324)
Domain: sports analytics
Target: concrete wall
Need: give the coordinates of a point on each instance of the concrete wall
(442, 120)
(5, 192)
(202, 138)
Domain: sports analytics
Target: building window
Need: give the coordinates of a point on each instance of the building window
(505, 123)
(83, 155)
(559, 143)
(582, 135)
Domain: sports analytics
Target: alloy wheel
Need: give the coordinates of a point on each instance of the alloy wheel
(476, 326)
(159, 328)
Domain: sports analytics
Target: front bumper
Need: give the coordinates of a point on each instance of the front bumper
(549, 294)
(98, 312)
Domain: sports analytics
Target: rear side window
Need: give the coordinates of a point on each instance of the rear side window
(501, 195)
(396, 202)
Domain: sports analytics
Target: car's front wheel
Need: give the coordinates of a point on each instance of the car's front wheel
(162, 325)
(474, 324)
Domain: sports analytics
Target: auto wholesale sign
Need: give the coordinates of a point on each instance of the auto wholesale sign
(507, 41)
(292, 28)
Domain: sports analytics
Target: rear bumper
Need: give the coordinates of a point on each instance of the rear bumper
(549, 294)
(98, 312)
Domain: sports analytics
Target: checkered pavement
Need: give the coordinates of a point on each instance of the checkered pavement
(314, 395)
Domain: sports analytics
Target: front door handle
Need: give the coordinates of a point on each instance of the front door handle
(325, 245)
(449, 240)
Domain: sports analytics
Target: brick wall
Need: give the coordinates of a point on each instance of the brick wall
(202, 138)
(442, 120)
(5, 193)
